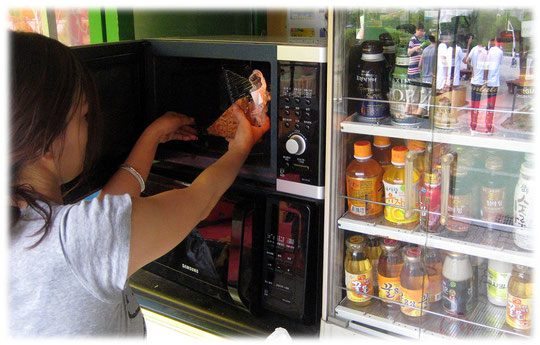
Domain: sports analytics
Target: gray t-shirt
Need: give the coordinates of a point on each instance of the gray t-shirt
(428, 58)
(74, 283)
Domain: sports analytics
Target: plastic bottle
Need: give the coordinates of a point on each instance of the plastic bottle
(493, 193)
(373, 252)
(498, 275)
(358, 272)
(434, 271)
(389, 270)
(394, 191)
(430, 201)
(520, 299)
(382, 152)
(457, 285)
(364, 181)
(414, 286)
(523, 209)
(459, 203)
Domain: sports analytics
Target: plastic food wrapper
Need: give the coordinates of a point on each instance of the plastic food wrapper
(279, 335)
(255, 109)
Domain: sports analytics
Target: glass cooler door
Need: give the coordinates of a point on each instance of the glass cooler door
(435, 239)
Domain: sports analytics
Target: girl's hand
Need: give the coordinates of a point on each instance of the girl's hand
(173, 126)
(246, 135)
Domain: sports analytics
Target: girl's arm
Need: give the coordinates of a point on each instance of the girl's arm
(160, 222)
(167, 127)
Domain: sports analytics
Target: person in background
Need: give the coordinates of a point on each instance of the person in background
(426, 66)
(476, 58)
(414, 51)
(492, 77)
(69, 264)
(442, 62)
(454, 71)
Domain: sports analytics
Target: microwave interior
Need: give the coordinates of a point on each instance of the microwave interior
(197, 87)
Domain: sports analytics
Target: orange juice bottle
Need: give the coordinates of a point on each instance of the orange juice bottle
(382, 152)
(520, 299)
(364, 181)
(394, 191)
(414, 285)
(358, 272)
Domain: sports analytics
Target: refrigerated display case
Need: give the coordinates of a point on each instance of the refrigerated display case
(467, 195)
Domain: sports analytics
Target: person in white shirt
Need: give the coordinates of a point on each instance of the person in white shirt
(477, 59)
(494, 59)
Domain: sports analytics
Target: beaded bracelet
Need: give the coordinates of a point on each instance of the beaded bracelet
(135, 174)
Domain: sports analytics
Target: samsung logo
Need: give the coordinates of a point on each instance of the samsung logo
(189, 268)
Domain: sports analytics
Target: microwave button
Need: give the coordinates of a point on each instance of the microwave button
(297, 100)
(287, 125)
(297, 126)
(308, 101)
(287, 112)
(287, 99)
(297, 113)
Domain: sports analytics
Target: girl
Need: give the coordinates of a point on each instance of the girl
(69, 264)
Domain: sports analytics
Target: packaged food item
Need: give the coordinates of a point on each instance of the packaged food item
(388, 271)
(434, 266)
(373, 252)
(364, 182)
(498, 275)
(493, 194)
(457, 284)
(414, 286)
(520, 299)
(394, 191)
(372, 82)
(430, 201)
(524, 208)
(358, 272)
(382, 152)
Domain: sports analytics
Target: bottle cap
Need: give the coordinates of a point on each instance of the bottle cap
(362, 149)
(457, 255)
(398, 155)
(356, 242)
(416, 145)
(527, 168)
(381, 141)
(494, 163)
(390, 245)
(413, 254)
(433, 178)
(372, 47)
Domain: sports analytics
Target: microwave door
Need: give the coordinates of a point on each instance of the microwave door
(240, 243)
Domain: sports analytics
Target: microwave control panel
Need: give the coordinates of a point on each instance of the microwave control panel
(301, 128)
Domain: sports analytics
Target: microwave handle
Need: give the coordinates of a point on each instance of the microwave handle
(235, 253)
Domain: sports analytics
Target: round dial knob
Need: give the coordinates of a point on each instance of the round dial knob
(296, 145)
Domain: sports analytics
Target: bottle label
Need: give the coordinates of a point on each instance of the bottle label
(523, 216)
(430, 206)
(497, 283)
(359, 286)
(518, 312)
(389, 288)
(493, 203)
(414, 303)
(458, 206)
(395, 195)
(366, 189)
(457, 296)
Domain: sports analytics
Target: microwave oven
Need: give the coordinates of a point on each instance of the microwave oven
(260, 250)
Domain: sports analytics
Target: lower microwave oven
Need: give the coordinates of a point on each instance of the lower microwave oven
(258, 250)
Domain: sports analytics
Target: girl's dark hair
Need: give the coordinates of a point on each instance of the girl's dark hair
(47, 82)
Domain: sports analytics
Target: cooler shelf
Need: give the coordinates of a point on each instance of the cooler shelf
(461, 136)
(484, 321)
(480, 241)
